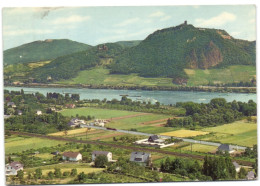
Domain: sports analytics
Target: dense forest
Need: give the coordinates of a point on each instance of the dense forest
(217, 112)
(168, 51)
(68, 66)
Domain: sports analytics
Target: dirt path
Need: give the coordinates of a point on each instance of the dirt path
(129, 116)
(199, 157)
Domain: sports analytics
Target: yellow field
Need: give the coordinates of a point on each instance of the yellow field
(85, 170)
(200, 148)
(184, 133)
(71, 132)
(44, 156)
(38, 64)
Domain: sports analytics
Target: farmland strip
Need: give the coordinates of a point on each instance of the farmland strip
(199, 157)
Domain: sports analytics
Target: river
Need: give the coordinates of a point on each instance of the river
(164, 97)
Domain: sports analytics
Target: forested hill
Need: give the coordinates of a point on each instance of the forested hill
(68, 66)
(166, 52)
(42, 51)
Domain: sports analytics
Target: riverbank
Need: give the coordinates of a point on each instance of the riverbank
(148, 88)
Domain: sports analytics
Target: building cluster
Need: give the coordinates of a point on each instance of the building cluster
(99, 122)
(153, 141)
(75, 122)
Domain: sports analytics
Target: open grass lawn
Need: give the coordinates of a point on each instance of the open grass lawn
(72, 132)
(240, 133)
(199, 148)
(231, 74)
(81, 167)
(101, 76)
(28, 143)
(98, 113)
(184, 133)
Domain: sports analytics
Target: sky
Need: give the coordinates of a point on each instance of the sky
(95, 25)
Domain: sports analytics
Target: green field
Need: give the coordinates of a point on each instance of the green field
(240, 133)
(18, 144)
(199, 148)
(82, 167)
(98, 113)
(136, 122)
(230, 74)
(101, 76)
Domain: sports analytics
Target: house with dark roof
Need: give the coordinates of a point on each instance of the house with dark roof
(12, 104)
(141, 158)
(226, 148)
(153, 138)
(250, 175)
(55, 153)
(105, 153)
(72, 156)
(13, 168)
(237, 166)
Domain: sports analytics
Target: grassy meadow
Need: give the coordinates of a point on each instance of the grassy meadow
(239, 132)
(101, 76)
(230, 74)
(19, 144)
(98, 113)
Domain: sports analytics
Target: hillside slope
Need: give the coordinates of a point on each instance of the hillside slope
(68, 66)
(42, 51)
(167, 52)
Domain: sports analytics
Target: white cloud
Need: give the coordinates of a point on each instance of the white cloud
(26, 32)
(165, 18)
(128, 22)
(157, 14)
(235, 34)
(219, 20)
(71, 19)
(252, 20)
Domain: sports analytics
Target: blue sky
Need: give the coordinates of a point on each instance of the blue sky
(95, 25)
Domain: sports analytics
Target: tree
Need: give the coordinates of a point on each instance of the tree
(101, 161)
(57, 173)
(73, 172)
(38, 173)
(242, 173)
(20, 175)
(50, 175)
(81, 177)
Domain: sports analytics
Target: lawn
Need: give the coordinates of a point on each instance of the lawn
(98, 113)
(184, 133)
(101, 76)
(28, 143)
(81, 167)
(240, 133)
(71, 132)
(231, 74)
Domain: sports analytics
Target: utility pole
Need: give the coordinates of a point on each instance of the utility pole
(191, 147)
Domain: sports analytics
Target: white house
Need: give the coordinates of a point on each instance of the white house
(98, 153)
(76, 122)
(141, 158)
(13, 168)
(39, 112)
(72, 156)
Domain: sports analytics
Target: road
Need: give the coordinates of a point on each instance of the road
(167, 137)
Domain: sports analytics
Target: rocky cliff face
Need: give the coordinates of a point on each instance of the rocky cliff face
(207, 57)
